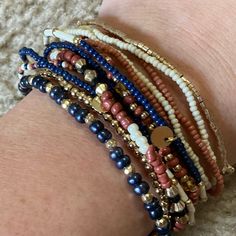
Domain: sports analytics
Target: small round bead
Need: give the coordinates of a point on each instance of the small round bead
(141, 188)
(73, 108)
(96, 126)
(104, 135)
(116, 153)
(156, 214)
(134, 179)
(152, 205)
(80, 115)
(111, 144)
(123, 162)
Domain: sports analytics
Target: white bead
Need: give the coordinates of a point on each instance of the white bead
(132, 128)
(141, 141)
(143, 149)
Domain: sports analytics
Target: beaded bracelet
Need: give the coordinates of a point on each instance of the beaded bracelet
(91, 66)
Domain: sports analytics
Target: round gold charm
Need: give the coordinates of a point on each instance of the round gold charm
(162, 136)
(97, 105)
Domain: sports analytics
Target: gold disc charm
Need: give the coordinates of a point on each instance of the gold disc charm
(162, 136)
(97, 105)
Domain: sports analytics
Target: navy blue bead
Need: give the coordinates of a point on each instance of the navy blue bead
(156, 214)
(36, 81)
(73, 108)
(141, 188)
(24, 82)
(116, 153)
(59, 97)
(174, 199)
(134, 179)
(123, 162)
(55, 91)
(152, 205)
(81, 114)
(163, 231)
(96, 126)
(104, 135)
(42, 85)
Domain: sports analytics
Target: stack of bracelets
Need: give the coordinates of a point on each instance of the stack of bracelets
(96, 73)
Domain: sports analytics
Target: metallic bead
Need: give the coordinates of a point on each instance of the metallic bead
(129, 169)
(174, 181)
(184, 179)
(228, 169)
(126, 137)
(90, 75)
(119, 130)
(133, 106)
(172, 191)
(88, 100)
(111, 144)
(144, 159)
(68, 87)
(153, 175)
(65, 103)
(156, 184)
(74, 92)
(132, 144)
(169, 157)
(77, 40)
(30, 79)
(144, 115)
(63, 83)
(177, 168)
(115, 123)
(80, 95)
(148, 167)
(177, 207)
(96, 104)
(79, 64)
(89, 118)
(163, 222)
(151, 126)
(183, 220)
(147, 198)
(60, 78)
(49, 86)
(107, 117)
(100, 89)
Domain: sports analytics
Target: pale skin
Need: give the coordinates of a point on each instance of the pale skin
(53, 183)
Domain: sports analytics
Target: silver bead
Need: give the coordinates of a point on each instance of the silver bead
(90, 75)
(79, 64)
(172, 191)
(177, 207)
(147, 198)
(163, 222)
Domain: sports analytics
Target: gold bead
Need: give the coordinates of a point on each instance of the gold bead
(100, 89)
(152, 126)
(74, 92)
(177, 168)
(129, 169)
(90, 75)
(133, 106)
(87, 100)
(111, 144)
(80, 95)
(126, 137)
(177, 207)
(89, 118)
(119, 130)
(184, 179)
(107, 117)
(144, 115)
(79, 64)
(153, 175)
(174, 181)
(132, 144)
(147, 198)
(49, 87)
(65, 103)
(163, 222)
(63, 83)
(183, 220)
(68, 87)
(77, 40)
(148, 167)
(60, 78)
(143, 159)
(156, 185)
(137, 152)
(115, 123)
(169, 157)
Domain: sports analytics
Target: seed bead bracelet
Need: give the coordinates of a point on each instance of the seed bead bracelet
(123, 162)
(166, 68)
(114, 106)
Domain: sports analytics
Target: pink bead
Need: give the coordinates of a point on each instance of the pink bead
(156, 163)
(138, 111)
(180, 226)
(116, 108)
(160, 169)
(173, 162)
(166, 185)
(129, 99)
(68, 55)
(74, 59)
(125, 122)
(164, 151)
(163, 178)
(109, 75)
(106, 95)
(151, 154)
(107, 104)
(176, 229)
(121, 115)
(181, 173)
